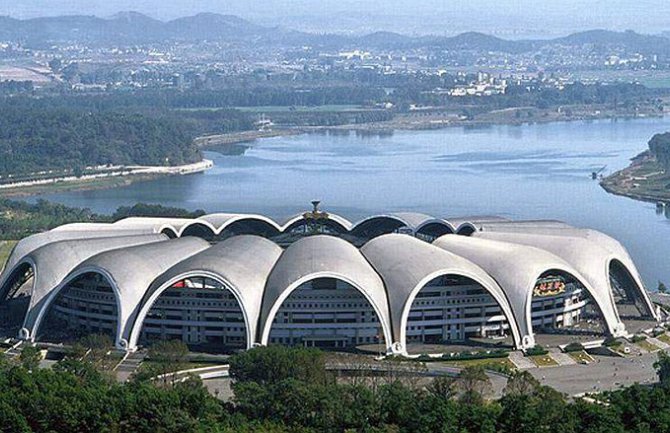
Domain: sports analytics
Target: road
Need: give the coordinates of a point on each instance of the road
(606, 374)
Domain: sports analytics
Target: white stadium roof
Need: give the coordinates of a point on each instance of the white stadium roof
(505, 257)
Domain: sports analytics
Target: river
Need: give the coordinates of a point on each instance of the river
(530, 171)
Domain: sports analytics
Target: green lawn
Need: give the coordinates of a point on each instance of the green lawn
(490, 363)
(647, 346)
(543, 360)
(5, 250)
(581, 357)
(664, 338)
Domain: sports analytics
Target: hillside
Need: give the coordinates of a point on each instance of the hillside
(38, 139)
(133, 27)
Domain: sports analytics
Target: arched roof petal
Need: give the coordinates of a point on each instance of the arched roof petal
(318, 257)
(411, 220)
(475, 219)
(407, 264)
(130, 271)
(29, 244)
(241, 263)
(589, 251)
(53, 262)
(157, 224)
(516, 269)
(222, 220)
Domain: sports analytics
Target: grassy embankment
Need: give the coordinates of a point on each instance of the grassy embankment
(5, 251)
(643, 180)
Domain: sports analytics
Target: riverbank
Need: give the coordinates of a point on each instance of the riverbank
(235, 143)
(433, 118)
(110, 177)
(223, 140)
(644, 179)
(516, 116)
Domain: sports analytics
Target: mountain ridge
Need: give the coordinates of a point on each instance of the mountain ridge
(135, 27)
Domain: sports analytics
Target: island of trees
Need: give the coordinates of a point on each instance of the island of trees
(648, 176)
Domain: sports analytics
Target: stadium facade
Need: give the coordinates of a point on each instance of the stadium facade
(234, 281)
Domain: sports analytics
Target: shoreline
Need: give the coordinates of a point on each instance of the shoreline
(110, 178)
(412, 122)
(643, 180)
(417, 121)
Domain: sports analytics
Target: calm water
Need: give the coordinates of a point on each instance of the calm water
(533, 171)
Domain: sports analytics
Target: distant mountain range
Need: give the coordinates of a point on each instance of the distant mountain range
(133, 27)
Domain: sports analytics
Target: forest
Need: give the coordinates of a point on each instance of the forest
(36, 140)
(659, 145)
(278, 389)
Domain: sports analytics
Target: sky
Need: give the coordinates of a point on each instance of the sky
(512, 18)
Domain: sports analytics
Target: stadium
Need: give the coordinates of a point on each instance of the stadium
(226, 282)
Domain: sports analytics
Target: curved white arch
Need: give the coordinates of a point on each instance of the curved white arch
(267, 326)
(138, 321)
(5, 282)
(119, 342)
(616, 329)
(196, 223)
(344, 224)
(389, 217)
(169, 227)
(130, 270)
(217, 223)
(53, 262)
(249, 217)
(591, 254)
(438, 221)
(466, 225)
(503, 303)
(637, 287)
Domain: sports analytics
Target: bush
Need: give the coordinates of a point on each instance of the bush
(611, 342)
(573, 347)
(536, 351)
(464, 356)
(638, 338)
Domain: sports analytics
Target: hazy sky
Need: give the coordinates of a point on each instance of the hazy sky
(503, 17)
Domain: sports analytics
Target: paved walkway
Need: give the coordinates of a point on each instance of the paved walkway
(129, 365)
(605, 374)
(562, 358)
(520, 361)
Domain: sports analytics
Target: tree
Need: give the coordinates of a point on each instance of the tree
(659, 145)
(662, 287)
(272, 364)
(30, 358)
(662, 366)
(12, 420)
(166, 357)
(531, 409)
(474, 385)
(443, 387)
(521, 383)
